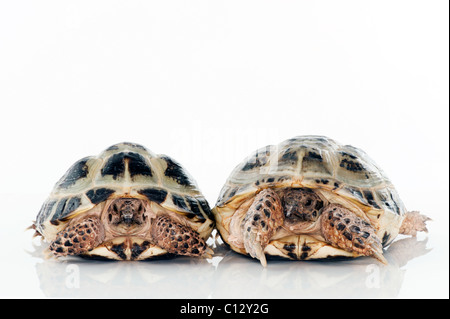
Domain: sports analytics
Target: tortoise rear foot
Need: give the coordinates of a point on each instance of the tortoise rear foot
(414, 222)
(261, 221)
(78, 239)
(177, 238)
(343, 229)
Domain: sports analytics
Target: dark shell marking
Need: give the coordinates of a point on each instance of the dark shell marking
(99, 195)
(179, 202)
(65, 207)
(289, 157)
(176, 172)
(77, 171)
(138, 249)
(115, 166)
(45, 212)
(154, 195)
(257, 160)
(293, 252)
(119, 250)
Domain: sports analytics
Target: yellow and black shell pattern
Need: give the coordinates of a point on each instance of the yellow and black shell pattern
(124, 170)
(341, 173)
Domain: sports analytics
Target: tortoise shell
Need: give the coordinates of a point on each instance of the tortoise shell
(124, 169)
(341, 173)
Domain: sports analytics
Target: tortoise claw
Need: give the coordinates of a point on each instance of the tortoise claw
(208, 254)
(260, 255)
(254, 248)
(377, 253)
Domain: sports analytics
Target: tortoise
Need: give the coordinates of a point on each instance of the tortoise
(127, 203)
(310, 197)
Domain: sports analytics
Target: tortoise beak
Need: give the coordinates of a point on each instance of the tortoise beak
(127, 215)
(127, 218)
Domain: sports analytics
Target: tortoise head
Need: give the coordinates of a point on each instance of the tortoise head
(126, 213)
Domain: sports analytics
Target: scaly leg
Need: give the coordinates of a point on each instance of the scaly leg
(261, 221)
(413, 223)
(342, 228)
(177, 238)
(79, 238)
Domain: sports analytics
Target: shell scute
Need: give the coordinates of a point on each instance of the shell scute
(259, 159)
(174, 172)
(77, 172)
(154, 194)
(98, 195)
(117, 163)
(65, 207)
(316, 164)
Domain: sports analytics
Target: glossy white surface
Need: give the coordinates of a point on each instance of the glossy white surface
(418, 268)
(208, 82)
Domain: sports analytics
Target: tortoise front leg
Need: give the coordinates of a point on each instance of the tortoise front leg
(177, 238)
(79, 238)
(261, 221)
(342, 228)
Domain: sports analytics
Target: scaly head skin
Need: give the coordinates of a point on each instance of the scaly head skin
(126, 212)
(128, 218)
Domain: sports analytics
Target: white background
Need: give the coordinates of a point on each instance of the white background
(208, 82)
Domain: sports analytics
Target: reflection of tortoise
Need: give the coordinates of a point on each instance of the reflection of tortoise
(126, 204)
(310, 197)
